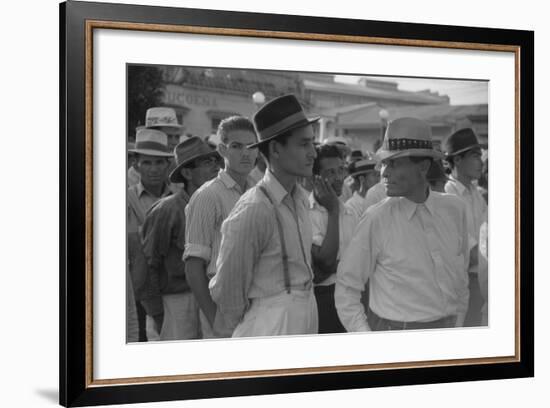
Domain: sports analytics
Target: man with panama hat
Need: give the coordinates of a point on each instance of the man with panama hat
(170, 300)
(164, 119)
(464, 156)
(412, 247)
(152, 162)
(263, 284)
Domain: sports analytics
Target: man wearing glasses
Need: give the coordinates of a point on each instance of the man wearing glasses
(210, 206)
(169, 299)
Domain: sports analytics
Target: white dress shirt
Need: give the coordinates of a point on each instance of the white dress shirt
(416, 257)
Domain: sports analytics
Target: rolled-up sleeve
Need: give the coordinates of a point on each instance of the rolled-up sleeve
(245, 233)
(200, 215)
(318, 226)
(354, 269)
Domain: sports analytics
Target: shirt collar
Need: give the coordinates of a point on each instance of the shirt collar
(140, 189)
(409, 207)
(458, 185)
(226, 179)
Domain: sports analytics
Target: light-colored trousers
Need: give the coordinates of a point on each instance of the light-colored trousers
(282, 314)
(181, 319)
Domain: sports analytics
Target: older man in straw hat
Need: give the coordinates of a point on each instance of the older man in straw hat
(152, 161)
(463, 153)
(412, 246)
(171, 302)
(263, 284)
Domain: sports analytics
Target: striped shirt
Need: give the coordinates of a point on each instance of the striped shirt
(347, 220)
(250, 261)
(208, 208)
(416, 257)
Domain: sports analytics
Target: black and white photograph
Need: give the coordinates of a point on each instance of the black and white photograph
(280, 203)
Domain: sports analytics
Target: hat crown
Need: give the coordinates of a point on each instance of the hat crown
(190, 148)
(275, 111)
(408, 128)
(460, 141)
(407, 137)
(151, 135)
(279, 116)
(161, 116)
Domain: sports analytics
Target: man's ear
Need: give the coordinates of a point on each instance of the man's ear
(274, 149)
(222, 150)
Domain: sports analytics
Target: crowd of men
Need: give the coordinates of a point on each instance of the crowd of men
(270, 233)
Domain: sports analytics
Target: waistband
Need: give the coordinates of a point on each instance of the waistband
(375, 320)
(294, 295)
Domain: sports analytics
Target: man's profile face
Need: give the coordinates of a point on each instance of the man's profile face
(470, 164)
(297, 155)
(401, 176)
(333, 170)
(237, 156)
(205, 169)
(152, 169)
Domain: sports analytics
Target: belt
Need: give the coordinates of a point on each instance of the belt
(381, 323)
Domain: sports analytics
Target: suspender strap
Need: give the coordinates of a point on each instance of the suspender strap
(282, 239)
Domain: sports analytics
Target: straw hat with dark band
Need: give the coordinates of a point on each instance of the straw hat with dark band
(406, 137)
(151, 142)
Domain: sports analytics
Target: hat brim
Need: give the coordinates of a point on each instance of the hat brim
(358, 173)
(476, 146)
(388, 154)
(297, 125)
(176, 177)
(150, 152)
(178, 127)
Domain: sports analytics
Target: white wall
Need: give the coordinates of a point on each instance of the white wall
(29, 250)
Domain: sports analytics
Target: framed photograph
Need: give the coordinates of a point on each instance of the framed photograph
(140, 83)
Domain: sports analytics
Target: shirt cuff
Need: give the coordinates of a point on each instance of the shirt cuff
(198, 251)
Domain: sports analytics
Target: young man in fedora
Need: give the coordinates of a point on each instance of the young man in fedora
(364, 176)
(210, 206)
(463, 154)
(152, 162)
(263, 284)
(169, 298)
(412, 247)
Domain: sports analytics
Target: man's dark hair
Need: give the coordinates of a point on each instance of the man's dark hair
(282, 139)
(325, 152)
(450, 159)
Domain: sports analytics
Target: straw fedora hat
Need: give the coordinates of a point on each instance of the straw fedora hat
(408, 137)
(161, 117)
(151, 142)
